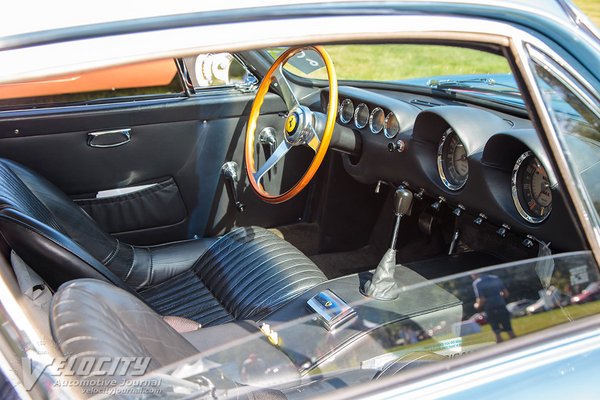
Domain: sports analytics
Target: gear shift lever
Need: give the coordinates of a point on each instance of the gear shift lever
(383, 285)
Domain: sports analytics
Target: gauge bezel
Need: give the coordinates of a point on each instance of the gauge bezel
(441, 163)
(344, 103)
(515, 191)
(386, 130)
(374, 130)
(360, 107)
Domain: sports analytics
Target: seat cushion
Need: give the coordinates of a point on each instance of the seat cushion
(246, 274)
(94, 318)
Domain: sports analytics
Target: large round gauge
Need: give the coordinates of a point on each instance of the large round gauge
(392, 126)
(346, 111)
(361, 116)
(531, 191)
(452, 162)
(376, 120)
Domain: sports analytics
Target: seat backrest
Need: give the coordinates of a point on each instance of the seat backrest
(54, 235)
(94, 318)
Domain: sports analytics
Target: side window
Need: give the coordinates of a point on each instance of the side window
(217, 70)
(575, 115)
(149, 78)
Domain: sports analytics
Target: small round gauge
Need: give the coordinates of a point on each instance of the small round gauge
(361, 116)
(392, 126)
(452, 162)
(376, 120)
(346, 111)
(531, 190)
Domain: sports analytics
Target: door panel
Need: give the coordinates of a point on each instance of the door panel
(186, 140)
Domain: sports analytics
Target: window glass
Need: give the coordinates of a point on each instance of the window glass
(397, 62)
(149, 78)
(435, 320)
(448, 68)
(577, 121)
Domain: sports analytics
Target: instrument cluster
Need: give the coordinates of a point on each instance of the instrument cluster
(376, 119)
(478, 162)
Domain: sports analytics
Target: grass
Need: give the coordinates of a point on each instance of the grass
(591, 8)
(521, 326)
(411, 61)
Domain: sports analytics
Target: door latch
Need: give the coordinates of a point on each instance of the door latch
(231, 173)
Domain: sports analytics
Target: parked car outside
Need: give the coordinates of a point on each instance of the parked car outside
(590, 293)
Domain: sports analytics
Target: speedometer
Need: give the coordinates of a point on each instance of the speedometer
(452, 162)
(531, 191)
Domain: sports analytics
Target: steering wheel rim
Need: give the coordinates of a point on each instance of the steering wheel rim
(299, 128)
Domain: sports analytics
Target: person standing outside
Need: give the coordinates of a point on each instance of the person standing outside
(490, 295)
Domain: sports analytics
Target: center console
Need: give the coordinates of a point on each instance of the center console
(331, 327)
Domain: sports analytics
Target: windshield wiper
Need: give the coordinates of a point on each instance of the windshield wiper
(464, 84)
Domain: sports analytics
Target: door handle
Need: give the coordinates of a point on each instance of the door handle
(112, 138)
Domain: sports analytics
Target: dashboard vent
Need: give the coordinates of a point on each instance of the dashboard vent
(424, 103)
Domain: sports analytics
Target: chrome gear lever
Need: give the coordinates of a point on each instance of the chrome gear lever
(382, 285)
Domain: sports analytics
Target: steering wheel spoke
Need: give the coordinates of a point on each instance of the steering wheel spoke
(314, 142)
(286, 91)
(277, 155)
(299, 128)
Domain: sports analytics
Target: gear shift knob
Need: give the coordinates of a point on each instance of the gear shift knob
(402, 201)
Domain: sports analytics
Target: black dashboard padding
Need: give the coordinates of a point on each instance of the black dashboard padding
(463, 120)
(503, 149)
(156, 206)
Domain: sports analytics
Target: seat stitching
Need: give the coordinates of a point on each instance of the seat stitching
(132, 264)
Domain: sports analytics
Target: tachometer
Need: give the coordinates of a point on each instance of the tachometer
(531, 191)
(452, 162)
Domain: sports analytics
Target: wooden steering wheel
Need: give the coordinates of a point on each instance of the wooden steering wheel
(300, 129)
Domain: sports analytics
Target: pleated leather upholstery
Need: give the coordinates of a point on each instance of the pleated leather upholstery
(248, 273)
(245, 274)
(116, 326)
(186, 296)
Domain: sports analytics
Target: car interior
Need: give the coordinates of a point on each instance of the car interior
(143, 229)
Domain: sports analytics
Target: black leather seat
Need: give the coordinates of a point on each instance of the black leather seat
(93, 319)
(243, 275)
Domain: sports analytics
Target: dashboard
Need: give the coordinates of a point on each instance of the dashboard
(479, 163)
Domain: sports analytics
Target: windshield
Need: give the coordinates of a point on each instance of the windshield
(432, 321)
(449, 68)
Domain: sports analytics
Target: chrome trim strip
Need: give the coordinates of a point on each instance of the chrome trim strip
(456, 380)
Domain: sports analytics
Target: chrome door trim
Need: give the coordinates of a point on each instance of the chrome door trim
(124, 133)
